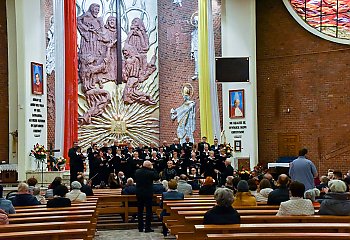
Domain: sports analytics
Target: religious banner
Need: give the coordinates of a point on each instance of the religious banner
(118, 71)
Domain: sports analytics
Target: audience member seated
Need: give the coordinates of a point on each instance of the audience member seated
(323, 185)
(158, 187)
(23, 197)
(112, 181)
(183, 186)
(281, 193)
(229, 183)
(336, 202)
(76, 195)
(269, 177)
(32, 183)
(243, 196)
(222, 212)
(5, 204)
(171, 194)
(264, 190)
(38, 196)
(85, 188)
(165, 185)
(208, 187)
(59, 199)
(252, 186)
(121, 179)
(130, 188)
(312, 194)
(337, 175)
(296, 205)
(3, 217)
(55, 183)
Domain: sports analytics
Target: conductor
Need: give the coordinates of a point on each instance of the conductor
(144, 192)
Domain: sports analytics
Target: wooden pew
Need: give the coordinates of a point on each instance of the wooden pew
(279, 236)
(58, 218)
(73, 208)
(51, 213)
(43, 226)
(198, 220)
(201, 231)
(46, 235)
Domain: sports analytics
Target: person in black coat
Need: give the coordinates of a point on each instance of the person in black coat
(176, 146)
(144, 178)
(75, 161)
(223, 212)
(169, 172)
(208, 187)
(281, 194)
(228, 171)
(59, 199)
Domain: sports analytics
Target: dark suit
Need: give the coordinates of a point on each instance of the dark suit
(175, 147)
(76, 163)
(144, 178)
(228, 171)
(278, 195)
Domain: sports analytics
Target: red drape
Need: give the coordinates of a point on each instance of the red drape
(71, 76)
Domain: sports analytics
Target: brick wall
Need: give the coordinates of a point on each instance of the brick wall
(308, 75)
(175, 65)
(4, 104)
(51, 113)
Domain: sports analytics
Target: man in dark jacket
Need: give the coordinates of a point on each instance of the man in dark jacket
(227, 172)
(23, 197)
(281, 194)
(144, 178)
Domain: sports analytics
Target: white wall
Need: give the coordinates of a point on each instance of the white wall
(12, 79)
(26, 45)
(239, 40)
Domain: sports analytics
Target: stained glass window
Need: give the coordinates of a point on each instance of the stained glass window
(331, 17)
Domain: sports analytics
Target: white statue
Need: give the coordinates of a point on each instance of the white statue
(178, 2)
(194, 45)
(185, 115)
(50, 49)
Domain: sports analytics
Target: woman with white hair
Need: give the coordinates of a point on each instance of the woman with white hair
(336, 202)
(75, 195)
(223, 212)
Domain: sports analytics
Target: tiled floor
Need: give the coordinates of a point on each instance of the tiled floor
(133, 234)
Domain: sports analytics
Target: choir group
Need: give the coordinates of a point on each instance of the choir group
(195, 160)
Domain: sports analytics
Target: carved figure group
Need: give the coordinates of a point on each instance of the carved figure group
(136, 69)
(98, 63)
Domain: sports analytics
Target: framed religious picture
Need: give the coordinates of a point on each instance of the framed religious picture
(236, 103)
(237, 145)
(37, 78)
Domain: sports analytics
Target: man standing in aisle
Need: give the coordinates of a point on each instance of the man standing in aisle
(303, 170)
(144, 178)
(72, 154)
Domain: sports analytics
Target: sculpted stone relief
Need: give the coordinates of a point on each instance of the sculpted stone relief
(108, 110)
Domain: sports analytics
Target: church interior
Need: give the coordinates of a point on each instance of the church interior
(174, 119)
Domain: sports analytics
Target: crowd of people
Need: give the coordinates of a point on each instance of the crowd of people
(29, 194)
(209, 171)
(194, 160)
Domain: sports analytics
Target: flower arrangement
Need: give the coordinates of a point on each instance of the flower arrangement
(39, 152)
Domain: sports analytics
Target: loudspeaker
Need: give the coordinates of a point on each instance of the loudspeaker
(232, 69)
